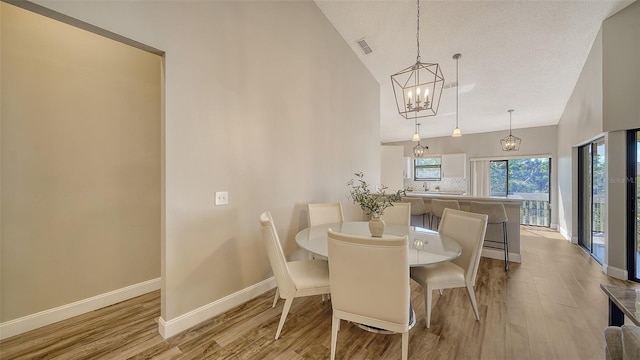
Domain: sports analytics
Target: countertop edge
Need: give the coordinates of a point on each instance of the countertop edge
(466, 198)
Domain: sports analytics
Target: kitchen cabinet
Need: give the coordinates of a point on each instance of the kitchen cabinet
(454, 165)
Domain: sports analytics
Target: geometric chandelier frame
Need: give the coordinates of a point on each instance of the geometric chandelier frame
(510, 143)
(418, 88)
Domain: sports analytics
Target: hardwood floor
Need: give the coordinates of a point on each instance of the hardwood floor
(548, 307)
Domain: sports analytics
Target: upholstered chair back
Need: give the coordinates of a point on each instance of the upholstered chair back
(369, 280)
(398, 214)
(438, 206)
(276, 256)
(468, 229)
(324, 213)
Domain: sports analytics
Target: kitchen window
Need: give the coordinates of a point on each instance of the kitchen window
(429, 168)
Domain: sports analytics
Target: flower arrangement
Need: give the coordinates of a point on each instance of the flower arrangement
(372, 203)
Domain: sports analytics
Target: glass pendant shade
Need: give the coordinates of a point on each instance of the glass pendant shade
(416, 137)
(510, 143)
(456, 132)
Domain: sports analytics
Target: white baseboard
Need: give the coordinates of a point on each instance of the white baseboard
(499, 254)
(565, 234)
(553, 226)
(183, 322)
(615, 272)
(47, 317)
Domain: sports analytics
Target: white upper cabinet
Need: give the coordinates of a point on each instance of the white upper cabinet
(454, 165)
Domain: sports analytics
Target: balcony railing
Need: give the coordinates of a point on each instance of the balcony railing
(535, 212)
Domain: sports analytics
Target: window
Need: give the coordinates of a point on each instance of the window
(428, 168)
(527, 179)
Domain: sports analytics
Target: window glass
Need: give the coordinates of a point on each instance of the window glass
(428, 168)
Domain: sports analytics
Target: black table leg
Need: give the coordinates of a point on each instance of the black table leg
(616, 316)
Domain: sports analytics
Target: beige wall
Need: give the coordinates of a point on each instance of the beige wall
(80, 164)
(264, 100)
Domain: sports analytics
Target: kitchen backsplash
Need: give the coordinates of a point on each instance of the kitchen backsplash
(446, 184)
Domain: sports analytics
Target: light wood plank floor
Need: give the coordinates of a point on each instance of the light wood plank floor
(548, 307)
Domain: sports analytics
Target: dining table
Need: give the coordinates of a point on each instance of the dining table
(425, 246)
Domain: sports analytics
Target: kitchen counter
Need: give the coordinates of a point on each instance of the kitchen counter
(494, 231)
(452, 195)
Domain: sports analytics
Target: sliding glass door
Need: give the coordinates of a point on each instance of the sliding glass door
(526, 179)
(591, 193)
(633, 205)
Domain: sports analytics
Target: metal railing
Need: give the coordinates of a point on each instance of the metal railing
(535, 212)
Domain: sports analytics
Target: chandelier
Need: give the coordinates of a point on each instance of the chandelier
(456, 131)
(510, 143)
(419, 150)
(418, 88)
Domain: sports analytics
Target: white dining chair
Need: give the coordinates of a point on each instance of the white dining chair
(324, 213)
(468, 229)
(365, 293)
(294, 278)
(399, 214)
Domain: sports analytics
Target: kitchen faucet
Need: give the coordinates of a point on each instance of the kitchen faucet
(424, 185)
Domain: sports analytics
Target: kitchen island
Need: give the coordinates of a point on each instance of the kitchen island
(494, 231)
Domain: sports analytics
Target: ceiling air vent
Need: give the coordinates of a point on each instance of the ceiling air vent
(364, 46)
(450, 85)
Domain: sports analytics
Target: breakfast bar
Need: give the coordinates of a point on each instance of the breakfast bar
(494, 231)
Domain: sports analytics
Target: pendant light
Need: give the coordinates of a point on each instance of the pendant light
(418, 88)
(510, 143)
(456, 131)
(416, 135)
(419, 150)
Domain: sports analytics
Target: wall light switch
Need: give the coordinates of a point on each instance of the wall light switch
(222, 198)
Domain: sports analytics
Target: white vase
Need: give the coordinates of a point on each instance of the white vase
(376, 226)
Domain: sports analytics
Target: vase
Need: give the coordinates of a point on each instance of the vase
(376, 226)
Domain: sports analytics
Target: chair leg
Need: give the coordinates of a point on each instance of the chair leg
(427, 305)
(440, 291)
(506, 247)
(335, 326)
(472, 297)
(405, 345)
(275, 299)
(283, 317)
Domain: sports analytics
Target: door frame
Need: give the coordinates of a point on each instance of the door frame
(632, 265)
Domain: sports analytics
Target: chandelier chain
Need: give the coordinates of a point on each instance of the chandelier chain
(418, 31)
(457, 89)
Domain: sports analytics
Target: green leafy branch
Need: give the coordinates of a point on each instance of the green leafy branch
(371, 202)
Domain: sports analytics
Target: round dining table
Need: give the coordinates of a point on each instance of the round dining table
(425, 246)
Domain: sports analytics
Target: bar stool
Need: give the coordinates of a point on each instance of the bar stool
(497, 215)
(418, 208)
(437, 208)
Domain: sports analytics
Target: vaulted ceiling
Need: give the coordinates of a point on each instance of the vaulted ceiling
(522, 55)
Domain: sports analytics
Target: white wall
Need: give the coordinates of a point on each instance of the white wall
(604, 103)
(621, 111)
(621, 69)
(392, 167)
(580, 122)
(260, 101)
